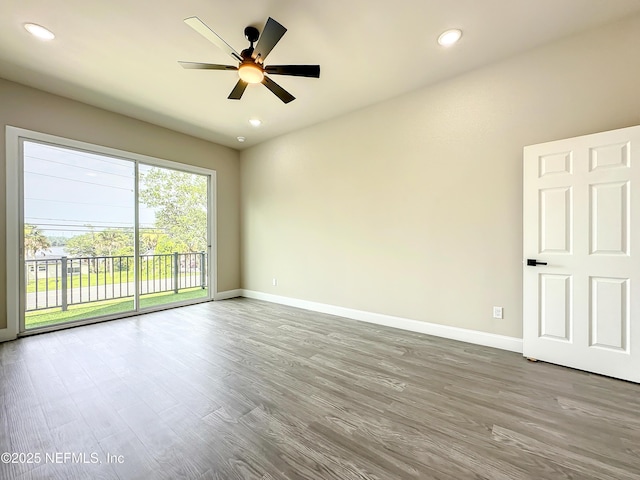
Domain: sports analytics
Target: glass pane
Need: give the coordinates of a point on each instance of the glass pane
(173, 236)
(78, 235)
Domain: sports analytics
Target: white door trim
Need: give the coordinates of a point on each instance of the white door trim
(13, 252)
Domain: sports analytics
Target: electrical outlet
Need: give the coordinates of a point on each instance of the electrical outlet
(274, 282)
(497, 312)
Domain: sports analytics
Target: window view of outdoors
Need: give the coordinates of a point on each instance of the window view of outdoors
(173, 235)
(79, 214)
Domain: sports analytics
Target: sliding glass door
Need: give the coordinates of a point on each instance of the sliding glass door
(106, 236)
(79, 214)
(172, 236)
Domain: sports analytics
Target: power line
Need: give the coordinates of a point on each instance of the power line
(79, 228)
(71, 220)
(77, 166)
(87, 228)
(78, 181)
(78, 203)
(58, 229)
(92, 156)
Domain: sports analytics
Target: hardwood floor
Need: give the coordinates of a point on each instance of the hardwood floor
(242, 389)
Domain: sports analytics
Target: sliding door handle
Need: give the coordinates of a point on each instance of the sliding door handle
(532, 262)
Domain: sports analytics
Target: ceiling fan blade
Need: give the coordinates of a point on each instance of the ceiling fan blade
(200, 27)
(280, 92)
(238, 90)
(296, 70)
(271, 34)
(206, 66)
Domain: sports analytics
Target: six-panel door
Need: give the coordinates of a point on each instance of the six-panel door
(581, 219)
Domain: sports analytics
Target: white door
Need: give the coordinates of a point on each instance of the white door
(581, 222)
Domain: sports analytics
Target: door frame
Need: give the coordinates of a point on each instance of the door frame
(14, 219)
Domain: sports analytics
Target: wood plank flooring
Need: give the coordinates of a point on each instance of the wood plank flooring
(242, 389)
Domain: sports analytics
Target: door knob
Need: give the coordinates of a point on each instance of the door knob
(532, 262)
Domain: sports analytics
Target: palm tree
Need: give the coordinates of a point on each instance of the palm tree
(110, 241)
(34, 240)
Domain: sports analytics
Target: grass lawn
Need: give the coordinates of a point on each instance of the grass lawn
(54, 316)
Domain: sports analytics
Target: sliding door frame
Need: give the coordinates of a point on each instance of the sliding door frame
(15, 138)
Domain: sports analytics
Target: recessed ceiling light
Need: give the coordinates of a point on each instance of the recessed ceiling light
(449, 37)
(241, 139)
(39, 31)
(256, 122)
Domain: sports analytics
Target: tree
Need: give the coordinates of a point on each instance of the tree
(57, 241)
(180, 203)
(113, 241)
(149, 240)
(107, 243)
(166, 244)
(34, 240)
(82, 245)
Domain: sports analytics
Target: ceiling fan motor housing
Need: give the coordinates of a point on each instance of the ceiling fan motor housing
(251, 34)
(246, 55)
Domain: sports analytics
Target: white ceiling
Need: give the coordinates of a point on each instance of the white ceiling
(122, 55)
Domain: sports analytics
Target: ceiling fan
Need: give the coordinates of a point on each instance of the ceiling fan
(251, 68)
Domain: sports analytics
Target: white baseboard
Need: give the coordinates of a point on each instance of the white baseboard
(7, 334)
(228, 294)
(476, 337)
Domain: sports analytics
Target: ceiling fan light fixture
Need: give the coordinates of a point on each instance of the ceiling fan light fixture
(450, 37)
(39, 31)
(250, 72)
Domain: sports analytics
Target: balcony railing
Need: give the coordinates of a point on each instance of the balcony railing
(65, 281)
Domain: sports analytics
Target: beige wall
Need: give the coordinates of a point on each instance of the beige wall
(32, 109)
(413, 207)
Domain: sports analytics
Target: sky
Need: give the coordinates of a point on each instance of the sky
(66, 190)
